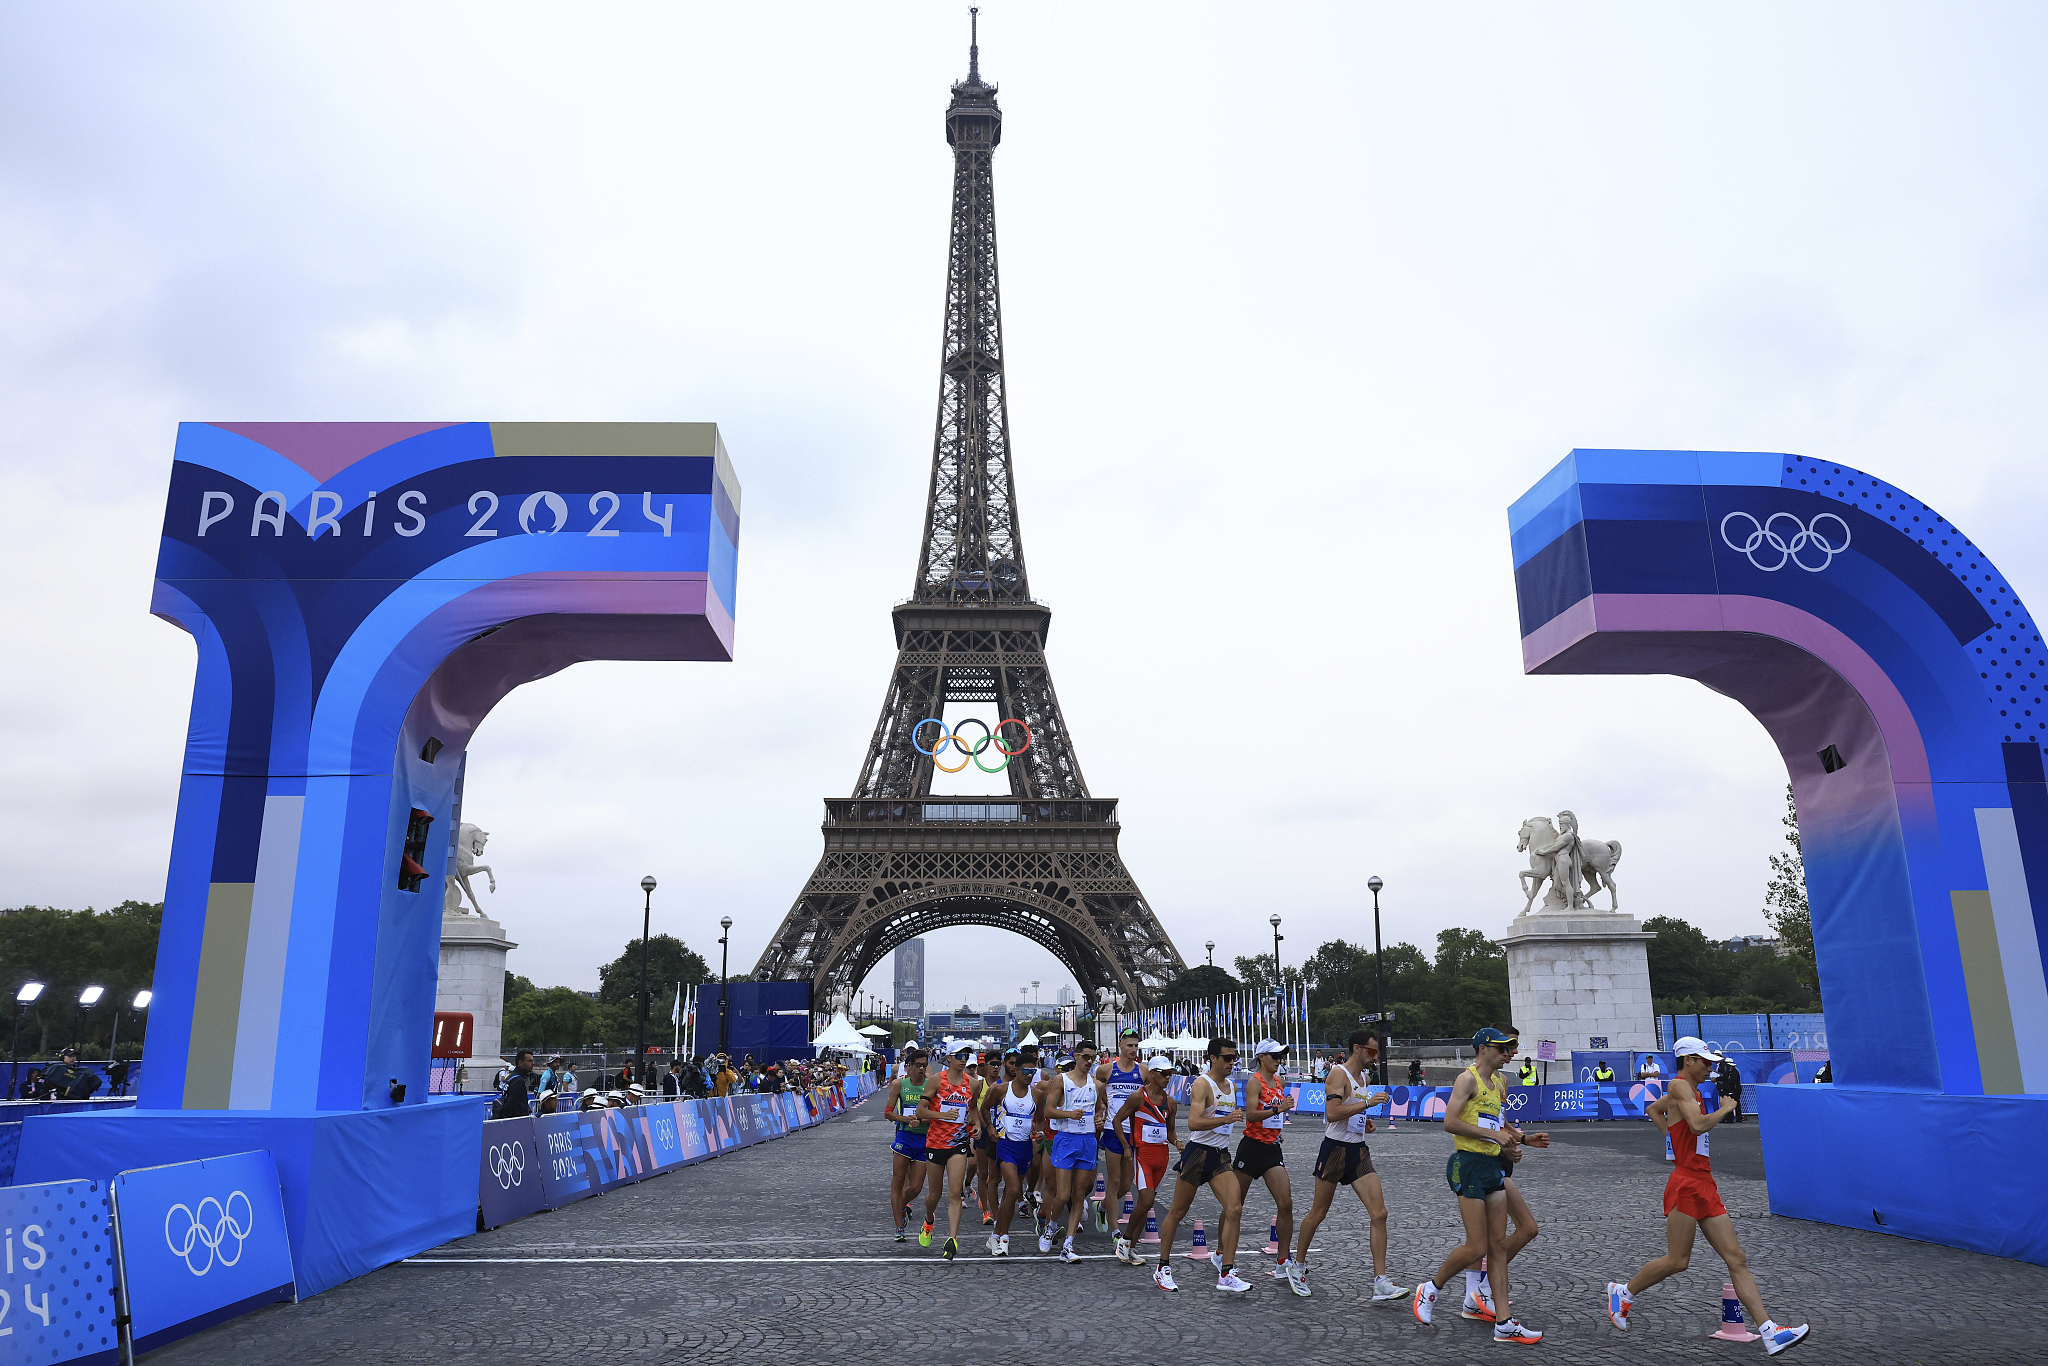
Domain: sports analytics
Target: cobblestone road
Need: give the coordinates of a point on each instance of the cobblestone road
(782, 1253)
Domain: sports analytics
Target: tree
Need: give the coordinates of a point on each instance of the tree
(515, 987)
(70, 950)
(1333, 1024)
(1684, 964)
(669, 961)
(1198, 983)
(1785, 900)
(1471, 980)
(1257, 974)
(548, 1017)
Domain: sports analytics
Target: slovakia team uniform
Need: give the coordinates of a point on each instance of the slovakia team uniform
(1691, 1189)
(1121, 1084)
(1258, 1152)
(1073, 1140)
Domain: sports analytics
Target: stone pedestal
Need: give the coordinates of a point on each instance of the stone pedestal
(473, 949)
(1576, 976)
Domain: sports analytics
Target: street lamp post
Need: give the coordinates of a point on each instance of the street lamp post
(1274, 921)
(27, 993)
(142, 999)
(1379, 974)
(87, 999)
(1211, 947)
(724, 923)
(646, 921)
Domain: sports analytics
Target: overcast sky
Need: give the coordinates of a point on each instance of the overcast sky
(1297, 300)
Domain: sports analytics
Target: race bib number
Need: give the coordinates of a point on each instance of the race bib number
(1490, 1123)
(1273, 1122)
(1357, 1123)
(953, 1114)
(1016, 1128)
(1152, 1133)
(1699, 1142)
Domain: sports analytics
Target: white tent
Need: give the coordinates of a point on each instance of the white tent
(1154, 1042)
(874, 1031)
(842, 1035)
(1029, 1040)
(1188, 1043)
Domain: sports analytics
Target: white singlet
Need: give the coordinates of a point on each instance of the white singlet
(1079, 1095)
(1351, 1130)
(1226, 1096)
(1015, 1124)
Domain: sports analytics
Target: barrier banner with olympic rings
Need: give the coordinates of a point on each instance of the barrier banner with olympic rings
(509, 1182)
(951, 737)
(197, 1242)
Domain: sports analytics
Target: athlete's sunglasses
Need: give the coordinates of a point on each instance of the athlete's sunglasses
(1228, 1057)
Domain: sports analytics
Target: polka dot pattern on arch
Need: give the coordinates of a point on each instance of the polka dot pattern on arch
(2010, 655)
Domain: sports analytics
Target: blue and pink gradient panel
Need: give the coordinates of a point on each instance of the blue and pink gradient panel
(1902, 680)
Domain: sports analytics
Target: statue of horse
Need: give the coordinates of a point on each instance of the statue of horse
(1595, 863)
(469, 842)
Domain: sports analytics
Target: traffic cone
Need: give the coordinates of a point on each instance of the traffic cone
(1200, 1251)
(1152, 1227)
(1731, 1329)
(1272, 1247)
(1125, 1220)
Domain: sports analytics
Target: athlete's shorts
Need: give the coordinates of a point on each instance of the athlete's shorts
(1110, 1142)
(941, 1156)
(984, 1144)
(1255, 1159)
(1693, 1193)
(1474, 1176)
(1150, 1160)
(1073, 1152)
(1200, 1163)
(910, 1145)
(1015, 1151)
(1342, 1163)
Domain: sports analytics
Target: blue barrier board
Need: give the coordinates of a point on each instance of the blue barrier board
(200, 1242)
(57, 1304)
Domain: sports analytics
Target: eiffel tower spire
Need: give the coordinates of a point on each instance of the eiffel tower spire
(1043, 864)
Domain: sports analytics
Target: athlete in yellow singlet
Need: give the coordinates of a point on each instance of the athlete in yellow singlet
(1475, 1171)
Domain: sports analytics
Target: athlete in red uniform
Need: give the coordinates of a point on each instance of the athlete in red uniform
(1146, 1121)
(944, 1107)
(1693, 1203)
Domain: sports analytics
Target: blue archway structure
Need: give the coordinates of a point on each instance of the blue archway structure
(1901, 678)
(361, 595)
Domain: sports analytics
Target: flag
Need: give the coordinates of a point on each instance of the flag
(675, 1016)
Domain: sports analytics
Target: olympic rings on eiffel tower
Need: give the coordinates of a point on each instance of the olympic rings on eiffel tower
(950, 735)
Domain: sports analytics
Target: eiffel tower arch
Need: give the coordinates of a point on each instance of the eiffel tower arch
(1043, 862)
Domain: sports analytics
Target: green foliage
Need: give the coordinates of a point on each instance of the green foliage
(548, 1017)
(1257, 974)
(516, 987)
(1785, 900)
(1198, 983)
(1690, 973)
(1333, 1024)
(69, 950)
(669, 961)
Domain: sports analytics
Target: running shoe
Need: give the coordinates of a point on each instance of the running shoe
(1127, 1254)
(952, 1248)
(1424, 1303)
(1045, 1240)
(1297, 1279)
(1067, 1253)
(1479, 1306)
(1162, 1276)
(901, 1236)
(987, 1220)
(1513, 1331)
(1003, 1246)
(1101, 1218)
(906, 1213)
(1279, 1273)
(1777, 1339)
(924, 1236)
(1383, 1288)
(991, 1244)
(1216, 1260)
(1618, 1302)
(1233, 1284)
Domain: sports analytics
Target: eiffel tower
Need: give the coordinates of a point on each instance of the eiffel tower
(899, 862)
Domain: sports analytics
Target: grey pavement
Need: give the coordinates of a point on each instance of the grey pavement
(783, 1253)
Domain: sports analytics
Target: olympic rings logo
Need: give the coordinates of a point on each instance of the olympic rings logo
(508, 1164)
(951, 735)
(210, 1231)
(1514, 1101)
(1768, 537)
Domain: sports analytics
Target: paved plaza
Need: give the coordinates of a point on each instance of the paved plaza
(782, 1253)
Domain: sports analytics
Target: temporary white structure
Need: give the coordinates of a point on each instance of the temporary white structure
(1029, 1040)
(874, 1031)
(1154, 1042)
(842, 1035)
(1188, 1043)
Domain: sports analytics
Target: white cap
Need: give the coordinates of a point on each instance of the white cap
(1268, 1046)
(1691, 1047)
(1159, 1062)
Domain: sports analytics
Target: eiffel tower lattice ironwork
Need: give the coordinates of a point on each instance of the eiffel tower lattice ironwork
(899, 862)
